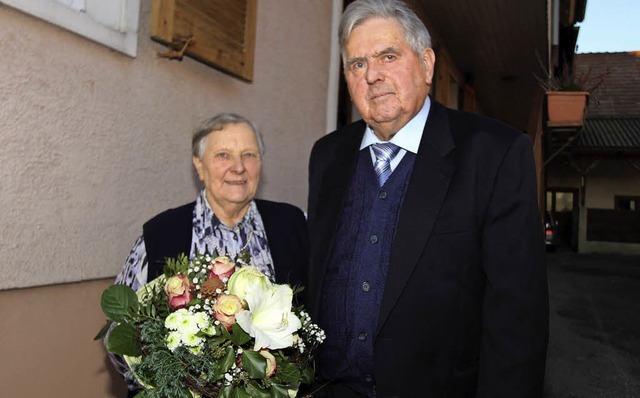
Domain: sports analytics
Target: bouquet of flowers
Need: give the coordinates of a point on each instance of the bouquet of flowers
(210, 328)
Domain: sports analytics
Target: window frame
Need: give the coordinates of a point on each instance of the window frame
(123, 38)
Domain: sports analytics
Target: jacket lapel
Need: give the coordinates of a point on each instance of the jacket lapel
(334, 187)
(428, 184)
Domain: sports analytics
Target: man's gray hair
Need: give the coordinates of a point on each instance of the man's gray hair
(216, 123)
(356, 13)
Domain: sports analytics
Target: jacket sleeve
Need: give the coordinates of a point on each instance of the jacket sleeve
(516, 306)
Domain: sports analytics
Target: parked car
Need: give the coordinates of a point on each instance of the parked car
(550, 231)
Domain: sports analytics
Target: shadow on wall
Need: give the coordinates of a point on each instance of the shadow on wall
(117, 385)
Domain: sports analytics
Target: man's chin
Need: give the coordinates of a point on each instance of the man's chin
(387, 127)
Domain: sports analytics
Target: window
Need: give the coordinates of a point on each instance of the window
(113, 23)
(560, 201)
(627, 203)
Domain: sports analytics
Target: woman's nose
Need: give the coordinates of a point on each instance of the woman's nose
(238, 164)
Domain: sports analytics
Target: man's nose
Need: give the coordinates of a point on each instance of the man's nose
(373, 73)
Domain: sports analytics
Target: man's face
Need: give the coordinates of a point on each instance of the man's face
(387, 81)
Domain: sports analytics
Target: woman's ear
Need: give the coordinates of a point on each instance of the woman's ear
(197, 163)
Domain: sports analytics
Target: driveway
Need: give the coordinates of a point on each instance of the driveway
(594, 346)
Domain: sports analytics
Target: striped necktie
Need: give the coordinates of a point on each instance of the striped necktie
(384, 153)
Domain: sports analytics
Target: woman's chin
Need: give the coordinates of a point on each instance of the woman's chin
(240, 199)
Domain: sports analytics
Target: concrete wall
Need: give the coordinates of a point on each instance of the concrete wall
(94, 142)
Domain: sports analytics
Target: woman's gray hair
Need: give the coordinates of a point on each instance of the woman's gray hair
(216, 123)
(356, 13)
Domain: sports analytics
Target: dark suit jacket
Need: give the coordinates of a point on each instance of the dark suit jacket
(465, 306)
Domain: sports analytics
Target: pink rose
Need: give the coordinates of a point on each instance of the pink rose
(221, 267)
(178, 291)
(226, 308)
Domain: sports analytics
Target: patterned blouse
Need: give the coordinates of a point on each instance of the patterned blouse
(209, 234)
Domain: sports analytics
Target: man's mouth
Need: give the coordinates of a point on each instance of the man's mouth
(379, 95)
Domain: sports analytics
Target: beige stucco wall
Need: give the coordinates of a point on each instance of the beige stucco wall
(93, 143)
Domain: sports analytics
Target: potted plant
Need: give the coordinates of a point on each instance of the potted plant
(567, 95)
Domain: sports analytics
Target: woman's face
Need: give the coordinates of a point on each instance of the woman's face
(230, 166)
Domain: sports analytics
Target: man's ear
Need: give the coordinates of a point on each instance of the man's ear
(429, 59)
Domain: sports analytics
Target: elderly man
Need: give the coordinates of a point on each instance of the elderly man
(427, 269)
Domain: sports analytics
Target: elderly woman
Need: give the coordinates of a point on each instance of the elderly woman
(225, 217)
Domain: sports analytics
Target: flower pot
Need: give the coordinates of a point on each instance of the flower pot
(566, 108)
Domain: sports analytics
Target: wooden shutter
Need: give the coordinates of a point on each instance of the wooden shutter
(223, 31)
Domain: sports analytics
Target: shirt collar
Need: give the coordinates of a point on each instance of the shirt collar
(208, 221)
(409, 136)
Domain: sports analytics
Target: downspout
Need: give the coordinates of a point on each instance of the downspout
(333, 86)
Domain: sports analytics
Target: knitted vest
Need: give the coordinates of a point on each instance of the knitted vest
(356, 273)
